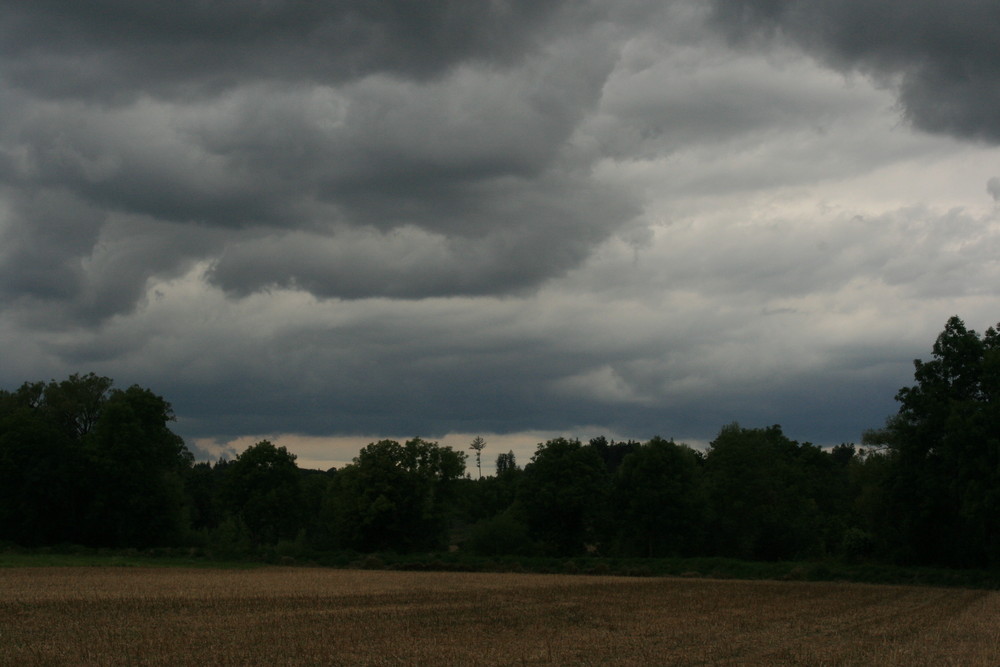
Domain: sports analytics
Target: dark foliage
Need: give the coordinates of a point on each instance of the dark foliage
(82, 462)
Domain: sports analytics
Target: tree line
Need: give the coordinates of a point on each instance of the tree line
(82, 462)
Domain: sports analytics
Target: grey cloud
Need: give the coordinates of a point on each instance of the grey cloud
(113, 49)
(993, 187)
(129, 161)
(429, 231)
(941, 52)
(924, 253)
(654, 110)
(387, 153)
(361, 368)
(438, 366)
(41, 260)
(472, 164)
(130, 251)
(79, 262)
(515, 238)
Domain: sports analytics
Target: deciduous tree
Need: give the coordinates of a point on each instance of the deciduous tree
(658, 500)
(562, 494)
(945, 443)
(760, 501)
(394, 497)
(262, 488)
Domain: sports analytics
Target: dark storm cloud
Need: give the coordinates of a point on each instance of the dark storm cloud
(400, 218)
(942, 54)
(41, 263)
(513, 240)
(297, 136)
(129, 161)
(114, 49)
(443, 366)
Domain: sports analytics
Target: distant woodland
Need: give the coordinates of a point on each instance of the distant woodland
(85, 463)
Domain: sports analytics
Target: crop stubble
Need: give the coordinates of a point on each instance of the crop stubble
(300, 616)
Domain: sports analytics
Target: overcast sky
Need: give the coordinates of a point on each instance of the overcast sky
(330, 222)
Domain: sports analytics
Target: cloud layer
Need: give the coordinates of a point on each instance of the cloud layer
(941, 56)
(343, 148)
(332, 219)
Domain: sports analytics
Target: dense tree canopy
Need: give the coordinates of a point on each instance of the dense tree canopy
(562, 496)
(658, 500)
(263, 488)
(395, 496)
(83, 462)
(761, 503)
(41, 490)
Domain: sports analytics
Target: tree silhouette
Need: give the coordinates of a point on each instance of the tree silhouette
(478, 445)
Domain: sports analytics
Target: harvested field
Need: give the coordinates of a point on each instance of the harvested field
(304, 616)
